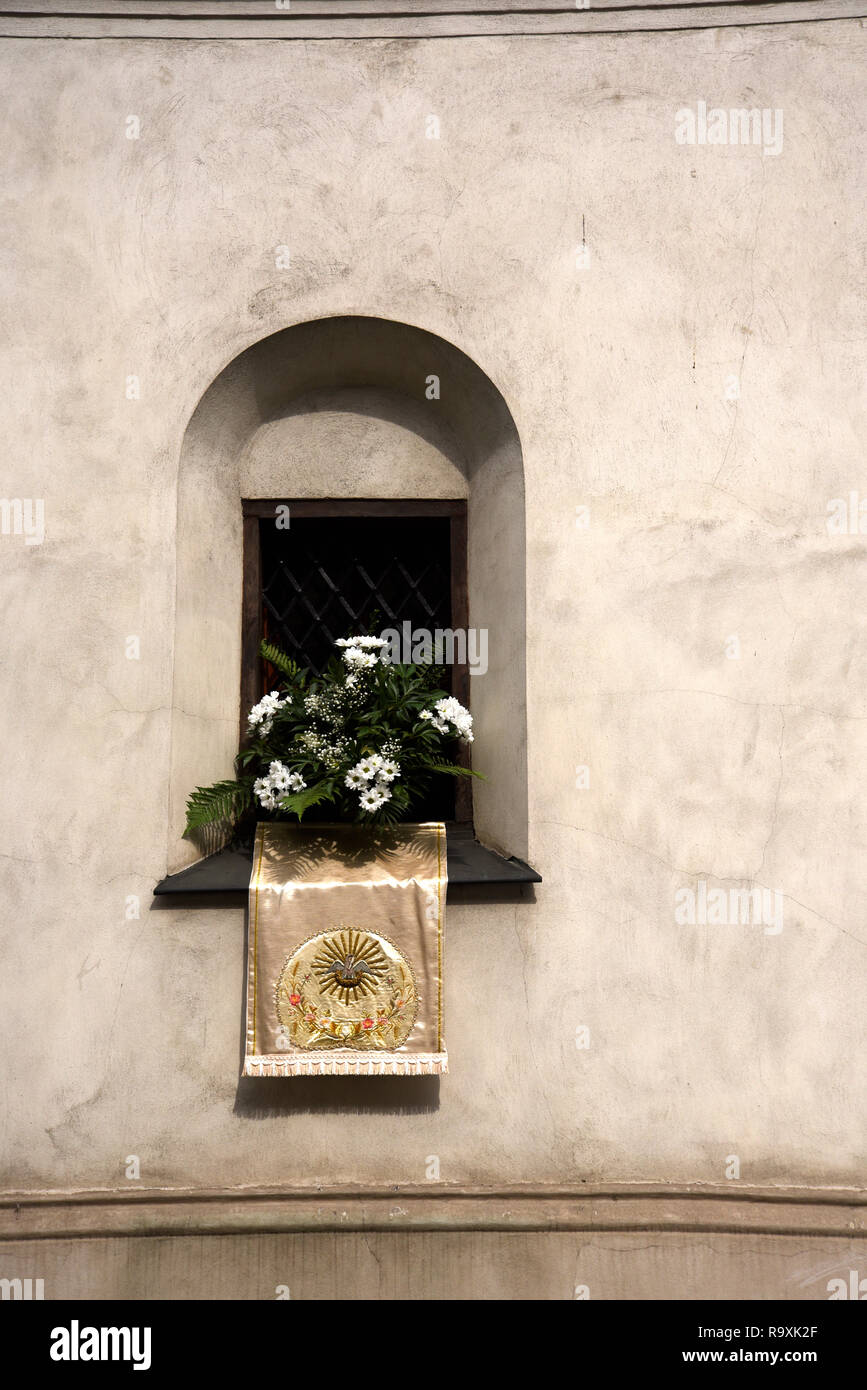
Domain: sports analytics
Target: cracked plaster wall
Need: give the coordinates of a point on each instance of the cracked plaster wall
(156, 258)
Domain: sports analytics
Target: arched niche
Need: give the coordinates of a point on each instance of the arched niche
(339, 407)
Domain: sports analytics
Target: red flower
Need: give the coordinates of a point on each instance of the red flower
(294, 1000)
(368, 1023)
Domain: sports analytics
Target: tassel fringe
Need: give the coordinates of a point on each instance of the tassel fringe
(323, 1064)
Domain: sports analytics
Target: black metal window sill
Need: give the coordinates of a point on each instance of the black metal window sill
(468, 863)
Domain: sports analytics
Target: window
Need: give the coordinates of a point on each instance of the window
(306, 403)
(346, 566)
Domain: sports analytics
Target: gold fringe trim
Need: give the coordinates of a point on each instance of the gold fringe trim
(325, 1064)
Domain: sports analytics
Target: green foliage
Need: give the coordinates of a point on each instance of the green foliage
(276, 657)
(299, 802)
(311, 734)
(223, 801)
(455, 771)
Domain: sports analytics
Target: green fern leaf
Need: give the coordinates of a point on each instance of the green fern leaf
(455, 771)
(275, 656)
(222, 801)
(299, 802)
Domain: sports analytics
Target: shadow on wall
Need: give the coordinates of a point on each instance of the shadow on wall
(261, 1098)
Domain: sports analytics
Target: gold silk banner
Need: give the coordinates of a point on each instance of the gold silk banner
(345, 949)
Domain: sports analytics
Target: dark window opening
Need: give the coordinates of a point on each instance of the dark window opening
(325, 579)
(341, 568)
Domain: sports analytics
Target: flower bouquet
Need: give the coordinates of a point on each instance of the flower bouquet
(365, 738)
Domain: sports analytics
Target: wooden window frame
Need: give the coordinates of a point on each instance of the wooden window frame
(255, 510)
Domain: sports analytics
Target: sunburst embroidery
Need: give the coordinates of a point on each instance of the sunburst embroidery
(349, 964)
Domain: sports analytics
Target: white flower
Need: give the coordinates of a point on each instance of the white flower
(375, 761)
(261, 716)
(366, 768)
(279, 776)
(371, 800)
(276, 784)
(361, 642)
(351, 680)
(374, 797)
(332, 754)
(265, 792)
(451, 711)
(388, 771)
(354, 656)
(354, 779)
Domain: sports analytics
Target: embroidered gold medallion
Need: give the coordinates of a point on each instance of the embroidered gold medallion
(346, 988)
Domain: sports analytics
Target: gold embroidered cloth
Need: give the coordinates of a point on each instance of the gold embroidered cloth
(344, 954)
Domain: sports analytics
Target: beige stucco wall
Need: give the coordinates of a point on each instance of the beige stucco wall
(155, 258)
(436, 1266)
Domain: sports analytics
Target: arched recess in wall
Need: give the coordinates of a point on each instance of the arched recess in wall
(337, 407)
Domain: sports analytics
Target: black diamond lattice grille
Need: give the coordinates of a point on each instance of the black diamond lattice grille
(329, 578)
